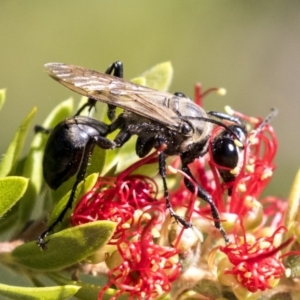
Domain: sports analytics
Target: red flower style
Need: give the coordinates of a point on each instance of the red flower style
(117, 199)
(240, 196)
(256, 263)
(147, 270)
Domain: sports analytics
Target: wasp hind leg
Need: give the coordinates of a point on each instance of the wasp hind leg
(115, 69)
(101, 142)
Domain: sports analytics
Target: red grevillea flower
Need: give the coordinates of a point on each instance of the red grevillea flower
(117, 199)
(256, 170)
(146, 262)
(255, 263)
(146, 270)
(240, 197)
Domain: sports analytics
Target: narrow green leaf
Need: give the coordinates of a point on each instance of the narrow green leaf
(293, 210)
(60, 112)
(33, 164)
(87, 291)
(139, 80)
(293, 263)
(13, 152)
(8, 220)
(126, 155)
(65, 248)
(97, 161)
(2, 97)
(111, 160)
(45, 293)
(159, 77)
(90, 292)
(12, 188)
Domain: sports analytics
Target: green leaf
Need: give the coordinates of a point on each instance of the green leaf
(82, 188)
(159, 77)
(139, 80)
(2, 97)
(126, 155)
(293, 209)
(97, 161)
(65, 248)
(12, 188)
(293, 263)
(60, 112)
(87, 291)
(34, 160)
(45, 293)
(111, 160)
(8, 221)
(9, 161)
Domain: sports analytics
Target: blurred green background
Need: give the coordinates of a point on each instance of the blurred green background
(249, 47)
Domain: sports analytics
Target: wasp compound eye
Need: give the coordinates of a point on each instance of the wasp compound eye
(225, 150)
(225, 153)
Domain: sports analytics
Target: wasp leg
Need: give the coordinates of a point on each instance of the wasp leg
(115, 69)
(88, 150)
(144, 145)
(204, 195)
(90, 103)
(41, 129)
(162, 172)
(179, 94)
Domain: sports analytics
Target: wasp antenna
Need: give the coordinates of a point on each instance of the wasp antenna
(268, 118)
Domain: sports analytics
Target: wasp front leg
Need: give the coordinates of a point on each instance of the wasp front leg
(143, 147)
(162, 172)
(204, 195)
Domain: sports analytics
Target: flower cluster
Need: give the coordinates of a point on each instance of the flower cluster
(118, 199)
(147, 259)
(254, 258)
(255, 263)
(145, 268)
(238, 198)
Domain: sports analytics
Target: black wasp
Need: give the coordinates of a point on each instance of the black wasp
(157, 118)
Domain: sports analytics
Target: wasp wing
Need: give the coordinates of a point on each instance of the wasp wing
(138, 99)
